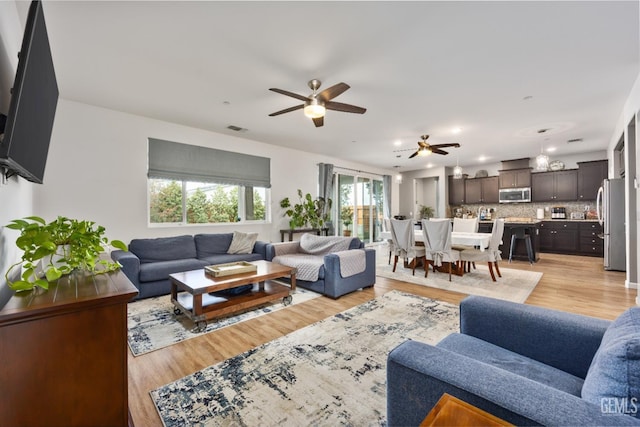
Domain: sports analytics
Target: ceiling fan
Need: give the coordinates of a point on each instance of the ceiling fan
(316, 104)
(426, 149)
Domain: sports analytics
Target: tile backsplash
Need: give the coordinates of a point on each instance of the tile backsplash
(525, 210)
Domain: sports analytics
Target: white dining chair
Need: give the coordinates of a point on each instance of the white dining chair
(437, 245)
(386, 225)
(465, 225)
(404, 245)
(491, 255)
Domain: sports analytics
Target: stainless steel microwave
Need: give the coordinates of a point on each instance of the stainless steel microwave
(514, 195)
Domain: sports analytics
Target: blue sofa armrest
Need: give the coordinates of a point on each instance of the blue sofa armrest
(563, 340)
(260, 248)
(335, 285)
(130, 265)
(418, 374)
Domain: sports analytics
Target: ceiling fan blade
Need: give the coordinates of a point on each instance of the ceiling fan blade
(414, 154)
(333, 91)
(446, 145)
(287, 110)
(423, 144)
(438, 151)
(319, 121)
(347, 108)
(291, 94)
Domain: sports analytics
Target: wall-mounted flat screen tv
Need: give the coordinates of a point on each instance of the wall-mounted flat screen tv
(27, 129)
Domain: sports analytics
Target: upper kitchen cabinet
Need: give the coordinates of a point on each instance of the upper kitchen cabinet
(516, 178)
(481, 190)
(590, 177)
(456, 190)
(559, 186)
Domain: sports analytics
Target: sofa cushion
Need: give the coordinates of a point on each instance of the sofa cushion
(160, 270)
(491, 354)
(614, 373)
(212, 244)
(163, 248)
(242, 243)
(225, 258)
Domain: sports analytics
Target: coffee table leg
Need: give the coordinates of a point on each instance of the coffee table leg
(261, 285)
(293, 279)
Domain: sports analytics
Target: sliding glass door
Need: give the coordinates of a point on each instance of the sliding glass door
(360, 206)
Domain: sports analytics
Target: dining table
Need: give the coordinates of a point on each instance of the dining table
(480, 240)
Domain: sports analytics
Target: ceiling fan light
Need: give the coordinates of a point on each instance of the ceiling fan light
(314, 109)
(423, 152)
(457, 172)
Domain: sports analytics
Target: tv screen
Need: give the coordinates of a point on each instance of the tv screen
(27, 130)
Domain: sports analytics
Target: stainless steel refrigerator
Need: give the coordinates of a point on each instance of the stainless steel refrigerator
(610, 205)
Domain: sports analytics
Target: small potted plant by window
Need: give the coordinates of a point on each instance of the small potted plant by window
(346, 215)
(53, 249)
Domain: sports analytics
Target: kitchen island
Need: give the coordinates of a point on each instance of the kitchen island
(511, 226)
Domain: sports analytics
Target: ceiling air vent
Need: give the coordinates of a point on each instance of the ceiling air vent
(237, 128)
(571, 141)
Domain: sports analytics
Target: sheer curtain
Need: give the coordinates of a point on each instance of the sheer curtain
(386, 188)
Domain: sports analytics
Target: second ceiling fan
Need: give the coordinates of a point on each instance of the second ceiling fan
(316, 104)
(425, 149)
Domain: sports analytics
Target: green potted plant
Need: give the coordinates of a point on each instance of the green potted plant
(426, 212)
(308, 212)
(346, 215)
(53, 249)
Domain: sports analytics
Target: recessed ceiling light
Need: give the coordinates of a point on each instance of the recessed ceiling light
(482, 158)
(456, 130)
(551, 149)
(429, 165)
(397, 143)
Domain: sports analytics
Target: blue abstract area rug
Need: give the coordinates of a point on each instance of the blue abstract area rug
(330, 373)
(151, 323)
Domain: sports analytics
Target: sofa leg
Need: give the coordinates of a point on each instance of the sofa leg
(395, 263)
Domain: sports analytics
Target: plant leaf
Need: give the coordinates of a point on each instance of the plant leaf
(53, 274)
(21, 285)
(119, 244)
(42, 283)
(36, 219)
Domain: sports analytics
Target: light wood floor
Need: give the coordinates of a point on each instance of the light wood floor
(570, 283)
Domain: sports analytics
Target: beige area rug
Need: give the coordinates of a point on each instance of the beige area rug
(514, 285)
(331, 373)
(152, 324)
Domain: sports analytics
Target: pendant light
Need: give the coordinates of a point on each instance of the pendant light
(542, 160)
(457, 171)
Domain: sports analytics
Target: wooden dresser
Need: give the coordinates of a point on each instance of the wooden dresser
(63, 353)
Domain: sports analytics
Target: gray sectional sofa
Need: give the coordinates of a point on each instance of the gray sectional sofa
(150, 261)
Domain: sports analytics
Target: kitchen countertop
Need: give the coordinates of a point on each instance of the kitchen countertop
(535, 221)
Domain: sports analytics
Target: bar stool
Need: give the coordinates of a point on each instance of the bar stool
(520, 233)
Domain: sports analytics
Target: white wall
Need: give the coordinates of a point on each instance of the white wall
(97, 169)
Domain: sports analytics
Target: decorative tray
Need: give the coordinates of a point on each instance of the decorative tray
(230, 268)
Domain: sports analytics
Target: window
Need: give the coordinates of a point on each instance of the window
(197, 185)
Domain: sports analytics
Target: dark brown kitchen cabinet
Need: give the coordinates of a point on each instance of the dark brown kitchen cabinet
(590, 243)
(456, 191)
(481, 190)
(590, 177)
(559, 237)
(515, 178)
(559, 186)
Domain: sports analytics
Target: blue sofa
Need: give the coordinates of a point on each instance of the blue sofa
(330, 280)
(149, 262)
(527, 365)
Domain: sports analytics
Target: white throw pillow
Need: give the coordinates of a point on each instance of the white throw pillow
(242, 243)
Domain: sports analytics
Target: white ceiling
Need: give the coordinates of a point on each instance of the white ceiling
(418, 67)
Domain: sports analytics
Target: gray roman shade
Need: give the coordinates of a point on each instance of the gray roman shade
(183, 162)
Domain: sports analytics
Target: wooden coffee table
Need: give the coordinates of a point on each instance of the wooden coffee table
(190, 291)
